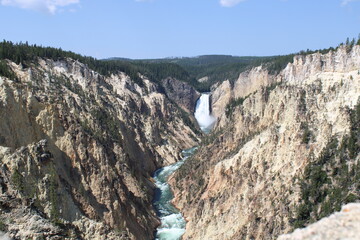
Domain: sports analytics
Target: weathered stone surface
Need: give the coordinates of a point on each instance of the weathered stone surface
(252, 80)
(220, 96)
(181, 93)
(78, 149)
(340, 225)
(242, 184)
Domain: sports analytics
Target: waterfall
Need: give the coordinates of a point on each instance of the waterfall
(202, 113)
(172, 222)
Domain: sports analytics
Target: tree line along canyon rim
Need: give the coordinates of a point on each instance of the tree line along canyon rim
(210, 147)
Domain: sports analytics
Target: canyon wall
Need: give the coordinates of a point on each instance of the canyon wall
(285, 150)
(181, 93)
(78, 149)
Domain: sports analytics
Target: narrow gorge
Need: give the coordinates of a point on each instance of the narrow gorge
(172, 222)
(283, 153)
(78, 150)
(114, 149)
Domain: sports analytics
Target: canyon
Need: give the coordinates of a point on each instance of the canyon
(79, 150)
(250, 177)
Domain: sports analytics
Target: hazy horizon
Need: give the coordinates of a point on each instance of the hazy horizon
(155, 29)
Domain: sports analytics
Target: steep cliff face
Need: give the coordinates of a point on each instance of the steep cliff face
(77, 151)
(247, 83)
(181, 93)
(185, 97)
(249, 177)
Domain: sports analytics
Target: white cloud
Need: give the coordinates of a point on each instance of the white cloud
(346, 2)
(230, 3)
(49, 6)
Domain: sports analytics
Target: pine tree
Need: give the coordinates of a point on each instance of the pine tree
(352, 43)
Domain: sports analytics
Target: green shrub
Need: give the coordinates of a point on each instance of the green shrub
(6, 71)
(327, 181)
(302, 102)
(3, 226)
(307, 133)
(2, 140)
(18, 180)
(233, 104)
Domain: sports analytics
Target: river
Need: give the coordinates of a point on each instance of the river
(172, 222)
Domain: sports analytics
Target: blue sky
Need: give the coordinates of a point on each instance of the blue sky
(169, 28)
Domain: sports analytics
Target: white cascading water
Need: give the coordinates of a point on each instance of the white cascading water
(172, 222)
(202, 113)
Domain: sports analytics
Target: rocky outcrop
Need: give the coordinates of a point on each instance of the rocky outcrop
(248, 178)
(220, 97)
(78, 149)
(252, 80)
(181, 93)
(248, 82)
(340, 225)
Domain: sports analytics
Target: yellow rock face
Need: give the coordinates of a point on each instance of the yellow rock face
(242, 184)
(104, 138)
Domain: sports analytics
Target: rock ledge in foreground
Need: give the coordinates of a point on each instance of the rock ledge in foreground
(340, 225)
